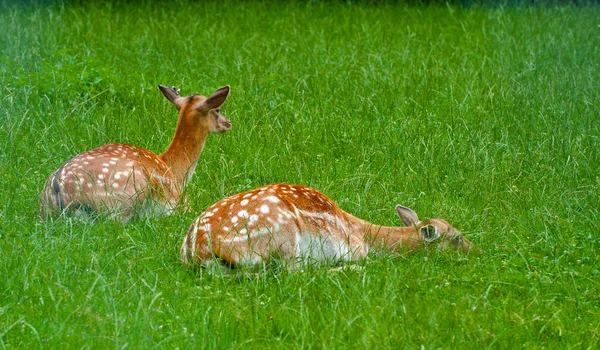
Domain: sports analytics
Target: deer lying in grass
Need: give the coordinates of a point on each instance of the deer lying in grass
(298, 223)
(124, 181)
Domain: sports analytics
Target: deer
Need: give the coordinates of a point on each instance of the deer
(297, 223)
(124, 181)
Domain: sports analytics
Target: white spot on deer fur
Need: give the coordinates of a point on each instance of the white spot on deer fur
(253, 218)
(184, 250)
(98, 182)
(243, 231)
(254, 234)
(295, 196)
(264, 209)
(115, 185)
(244, 202)
(215, 210)
(223, 203)
(234, 219)
(247, 195)
(86, 163)
(118, 175)
(274, 223)
(89, 185)
(105, 170)
(286, 213)
(207, 227)
(100, 176)
(272, 199)
(225, 228)
(105, 164)
(242, 214)
(194, 237)
(208, 214)
(90, 157)
(293, 188)
(112, 162)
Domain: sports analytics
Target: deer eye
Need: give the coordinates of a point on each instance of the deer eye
(218, 110)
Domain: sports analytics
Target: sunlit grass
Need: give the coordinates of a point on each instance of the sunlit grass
(487, 117)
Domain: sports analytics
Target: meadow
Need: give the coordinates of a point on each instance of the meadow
(488, 117)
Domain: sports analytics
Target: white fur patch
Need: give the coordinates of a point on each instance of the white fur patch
(323, 247)
(272, 199)
(245, 238)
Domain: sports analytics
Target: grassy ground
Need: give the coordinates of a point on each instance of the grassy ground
(488, 117)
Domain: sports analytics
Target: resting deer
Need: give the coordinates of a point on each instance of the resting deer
(296, 222)
(125, 181)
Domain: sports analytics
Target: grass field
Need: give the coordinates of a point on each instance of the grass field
(487, 117)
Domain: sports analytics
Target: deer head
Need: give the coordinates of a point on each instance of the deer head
(436, 231)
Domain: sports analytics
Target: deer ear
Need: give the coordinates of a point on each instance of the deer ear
(407, 215)
(215, 100)
(429, 233)
(172, 94)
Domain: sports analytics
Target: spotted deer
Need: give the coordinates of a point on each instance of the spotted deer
(125, 181)
(295, 223)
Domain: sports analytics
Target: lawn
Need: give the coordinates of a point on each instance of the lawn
(488, 117)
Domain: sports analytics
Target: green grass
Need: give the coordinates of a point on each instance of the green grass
(487, 117)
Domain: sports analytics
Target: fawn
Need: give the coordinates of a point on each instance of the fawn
(124, 181)
(294, 222)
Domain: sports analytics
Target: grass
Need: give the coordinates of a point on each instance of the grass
(485, 116)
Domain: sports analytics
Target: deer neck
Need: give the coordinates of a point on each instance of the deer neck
(394, 237)
(182, 154)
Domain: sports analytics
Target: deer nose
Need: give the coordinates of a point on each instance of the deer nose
(224, 124)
